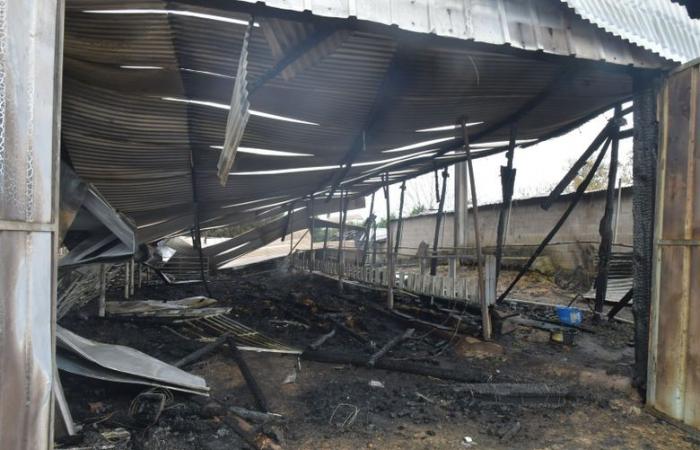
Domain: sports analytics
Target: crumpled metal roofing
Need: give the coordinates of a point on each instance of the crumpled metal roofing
(657, 25)
(148, 87)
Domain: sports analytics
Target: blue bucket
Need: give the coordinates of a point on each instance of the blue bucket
(569, 316)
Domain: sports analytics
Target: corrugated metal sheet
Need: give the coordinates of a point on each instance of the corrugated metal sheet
(238, 114)
(536, 25)
(145, 89)
(30, 33)
(657, 25)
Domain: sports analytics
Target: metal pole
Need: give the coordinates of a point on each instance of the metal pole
(485, 313)
(389, 250)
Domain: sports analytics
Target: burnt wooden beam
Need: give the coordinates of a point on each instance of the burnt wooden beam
(392, 84)
(393, 342)
(491, 151)
(624, 301)
(574, 201)
(202, 352)
(258, 395)
(464, 375)
(605, 229)
(295, 54)
(438, 224)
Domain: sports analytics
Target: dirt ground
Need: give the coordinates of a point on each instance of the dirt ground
(337, 406)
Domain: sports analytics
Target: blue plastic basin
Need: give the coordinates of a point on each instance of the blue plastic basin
(568, 315)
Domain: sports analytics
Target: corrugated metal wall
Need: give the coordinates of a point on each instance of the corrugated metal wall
(29, 93)
(674, 359)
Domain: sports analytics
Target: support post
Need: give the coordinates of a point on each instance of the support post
(485, 309)
(399, 222)
(605, 229)
(507, 183)
(645, 150)
(312, 225)
(132, 274)
(368, 228)
(341, 258)
(438, 223)
(389, 250)
(461, 210)
(374, 244)
(103, 291)
(126, 279)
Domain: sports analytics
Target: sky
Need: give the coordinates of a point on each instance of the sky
(539, 168)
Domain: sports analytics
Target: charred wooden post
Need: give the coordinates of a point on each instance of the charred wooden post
(507, 183)
(605, 229)
(485, 312)
(438, 223)
(645, 150)
(574, 201)
(389, 250)
(399, 222)
(368, 229)
(260, 400)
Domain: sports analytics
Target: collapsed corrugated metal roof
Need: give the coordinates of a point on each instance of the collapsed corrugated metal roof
(333, 103)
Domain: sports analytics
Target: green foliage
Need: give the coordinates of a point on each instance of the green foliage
(417, 210)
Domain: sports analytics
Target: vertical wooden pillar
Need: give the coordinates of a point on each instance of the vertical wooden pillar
(605, 229)
(485, 309)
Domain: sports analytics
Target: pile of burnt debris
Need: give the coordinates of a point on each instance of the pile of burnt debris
(289, 360)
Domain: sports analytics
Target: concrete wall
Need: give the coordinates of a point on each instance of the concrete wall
(573, 247)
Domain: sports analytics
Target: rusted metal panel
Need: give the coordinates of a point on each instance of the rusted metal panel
(674, 360)
(29, 99)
